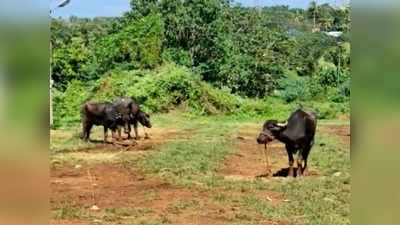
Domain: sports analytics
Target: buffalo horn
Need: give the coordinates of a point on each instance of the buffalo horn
(284, 124)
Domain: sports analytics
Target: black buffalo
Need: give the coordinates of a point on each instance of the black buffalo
(127, 105)
(104, 114)
(297, 134)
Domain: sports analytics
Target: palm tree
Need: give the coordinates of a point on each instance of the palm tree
(313, 12)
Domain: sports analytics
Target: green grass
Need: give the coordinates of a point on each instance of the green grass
(67, 211)
(181, 205)
(192, 163)
(321, 200)
(188, 161)
(134, 216)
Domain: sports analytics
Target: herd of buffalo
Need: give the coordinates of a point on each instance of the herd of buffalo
(297, 133)
(122, 112)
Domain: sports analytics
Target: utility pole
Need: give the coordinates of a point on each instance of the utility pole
(339, 59)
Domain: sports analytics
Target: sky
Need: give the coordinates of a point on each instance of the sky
(93, 8)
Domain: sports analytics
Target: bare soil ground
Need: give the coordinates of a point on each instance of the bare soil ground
(114, 186)
(67, 222)
(249, 162)
(156, 137)
(340, 131)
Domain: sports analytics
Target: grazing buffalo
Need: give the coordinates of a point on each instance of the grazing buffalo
(297, 134)
(105, 114)
(127, 105)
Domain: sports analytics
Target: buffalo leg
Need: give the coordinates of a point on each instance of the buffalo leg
(105, 134)
(113, 135)
(86, 130)
(290, 151)
(119, 137)
(135, 128)
(305, 153)
(83, 135)
(129, 131)
(300, 164)
(146, 135)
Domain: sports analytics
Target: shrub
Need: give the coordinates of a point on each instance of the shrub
(156, 91)
(67, 105)
(292, 90)
(301, 89)
(327, 110)
(171, 86)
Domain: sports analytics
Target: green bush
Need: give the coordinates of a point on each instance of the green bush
(170, 86)
(326, 87)
(67, 104)
(266, 108)
(300, 89)
(159, 90)
(327, 110)
(291, 90)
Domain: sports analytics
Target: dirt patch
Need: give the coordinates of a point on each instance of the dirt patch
(67, 222)
(67, 143)
(341, 131)
(105, 186)
(113, 186)
(249, 162)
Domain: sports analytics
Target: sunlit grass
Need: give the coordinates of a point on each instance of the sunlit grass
(192, 163)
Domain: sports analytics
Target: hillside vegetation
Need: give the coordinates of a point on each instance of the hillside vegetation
(204, 57)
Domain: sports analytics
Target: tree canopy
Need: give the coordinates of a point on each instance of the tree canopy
(252, 52)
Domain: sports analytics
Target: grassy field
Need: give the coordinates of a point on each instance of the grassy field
(197, 170)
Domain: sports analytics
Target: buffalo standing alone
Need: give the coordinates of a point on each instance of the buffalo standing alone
(297, 134)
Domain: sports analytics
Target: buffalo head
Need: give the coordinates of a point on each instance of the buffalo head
(271, 130)
(144, 119)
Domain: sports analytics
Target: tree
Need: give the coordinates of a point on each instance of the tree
(246, 50)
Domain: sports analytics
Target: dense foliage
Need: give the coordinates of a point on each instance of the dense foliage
(209, 55)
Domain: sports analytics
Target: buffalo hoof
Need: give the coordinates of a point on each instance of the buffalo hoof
(299, 172)
(305, 172)
(290, 173)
